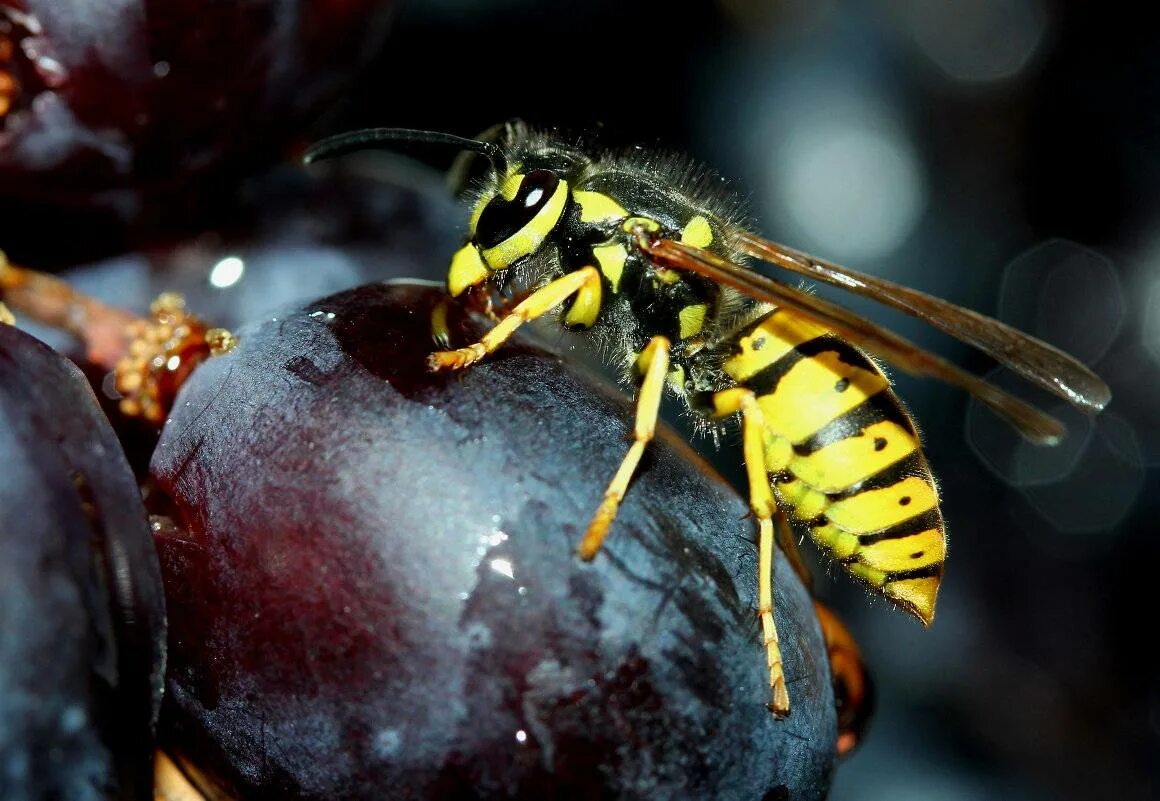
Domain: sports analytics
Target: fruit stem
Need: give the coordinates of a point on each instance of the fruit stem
(49, 300)
(150, 357)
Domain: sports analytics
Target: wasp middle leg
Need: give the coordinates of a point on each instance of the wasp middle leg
(653, 363)
(761, 501)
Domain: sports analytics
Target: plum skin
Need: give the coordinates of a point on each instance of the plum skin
(373, 585)
(82, 620)
(127, 122)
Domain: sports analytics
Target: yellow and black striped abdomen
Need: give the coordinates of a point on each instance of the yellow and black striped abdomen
(844, 458)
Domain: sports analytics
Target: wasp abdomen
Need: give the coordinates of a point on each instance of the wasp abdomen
(844, 457)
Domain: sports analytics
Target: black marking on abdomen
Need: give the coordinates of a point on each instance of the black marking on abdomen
(912, 464)
(930, 519)
(919, 572)
(765, 380)
(878, 407)
(817, 522)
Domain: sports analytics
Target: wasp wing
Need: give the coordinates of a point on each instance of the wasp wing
(1032, 423)
(1035, 360)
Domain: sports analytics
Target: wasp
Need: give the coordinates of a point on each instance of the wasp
(648, 254)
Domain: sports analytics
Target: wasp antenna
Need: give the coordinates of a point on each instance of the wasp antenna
(381, 138)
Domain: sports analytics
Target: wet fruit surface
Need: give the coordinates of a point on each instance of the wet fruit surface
(374, 591)
(82, 630)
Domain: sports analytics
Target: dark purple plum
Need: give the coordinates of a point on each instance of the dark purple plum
(82, 621)
(374, 592)
(125, 118)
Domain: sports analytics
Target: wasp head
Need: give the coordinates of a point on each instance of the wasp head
(510, 221)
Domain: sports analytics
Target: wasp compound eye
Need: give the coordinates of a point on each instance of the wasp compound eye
(504, 218)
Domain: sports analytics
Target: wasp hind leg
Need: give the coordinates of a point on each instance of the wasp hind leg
(583, 283)
(761, 501)
(653, 363)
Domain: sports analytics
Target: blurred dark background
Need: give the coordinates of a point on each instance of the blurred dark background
(1003, 154)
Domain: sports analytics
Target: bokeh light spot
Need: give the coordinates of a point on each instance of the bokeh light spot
(1084, 487)
(856, 191)
(1011, 457)
(979, 41)
(1102, 490)
(227, 272)
(846, 176)
(1065, 294)
(1152, 320)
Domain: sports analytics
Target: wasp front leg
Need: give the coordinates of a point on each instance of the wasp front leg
(583, 283)
(653, 363)
(480, 302)
(761, 501)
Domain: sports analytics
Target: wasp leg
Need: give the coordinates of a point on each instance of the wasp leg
(440, 331)
(169, 783)
(479, 301)
(482, 299)
(789, 546)
(853, 687)
(653, 362)
(726, 402)
(584, 283)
